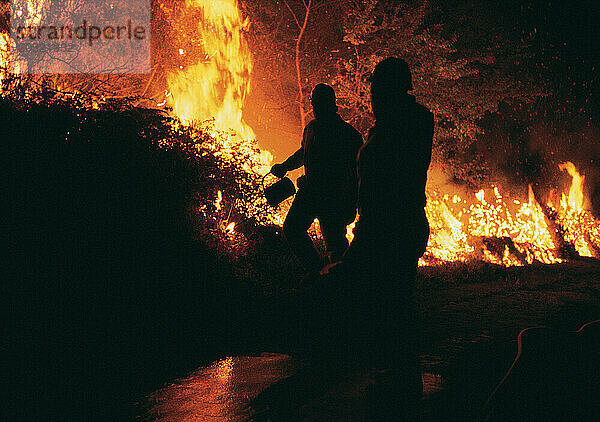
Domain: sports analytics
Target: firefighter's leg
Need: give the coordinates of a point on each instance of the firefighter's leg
(333, 229)
(395, 340)
(295, 227)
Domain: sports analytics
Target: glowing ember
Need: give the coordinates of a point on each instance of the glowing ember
(230, 228)
(448, 241)
(509, 233)
(534, 233)
(350, 230)
(218, 201)
(517, 232)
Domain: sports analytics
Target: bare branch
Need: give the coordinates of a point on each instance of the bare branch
(293, 14)
(298, 75)
(148, 84)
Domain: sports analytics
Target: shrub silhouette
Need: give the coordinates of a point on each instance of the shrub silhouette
(116, 280)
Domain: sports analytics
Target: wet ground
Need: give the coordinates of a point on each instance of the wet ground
(469, 327)
(223, 390)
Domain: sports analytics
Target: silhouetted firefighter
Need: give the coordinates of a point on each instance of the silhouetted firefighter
(328, 191)
(390, 236)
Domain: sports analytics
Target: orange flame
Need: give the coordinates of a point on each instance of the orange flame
(211, 92)
(459, 230)
(518, 232)
(4, 57)
(581, 229)
(575, 198)
(216, 86)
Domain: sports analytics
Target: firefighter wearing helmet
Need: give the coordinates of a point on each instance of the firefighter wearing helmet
(391, 234)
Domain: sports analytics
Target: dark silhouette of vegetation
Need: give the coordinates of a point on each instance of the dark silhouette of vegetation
(119, 274)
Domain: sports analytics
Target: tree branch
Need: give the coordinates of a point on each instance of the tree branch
(293, 14)
(298, 75)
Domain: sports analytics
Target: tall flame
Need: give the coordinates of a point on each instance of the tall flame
(575, 198)
(4, 57)
(580, 227)
(216, 86)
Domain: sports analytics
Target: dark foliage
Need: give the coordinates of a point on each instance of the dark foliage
(112, 289)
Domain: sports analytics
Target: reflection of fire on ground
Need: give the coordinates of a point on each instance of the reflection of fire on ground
(221, 391)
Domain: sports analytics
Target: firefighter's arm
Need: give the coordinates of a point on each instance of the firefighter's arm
(296, 160)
